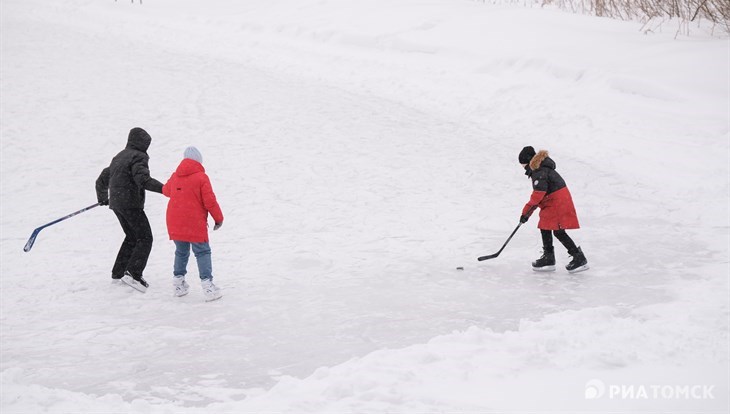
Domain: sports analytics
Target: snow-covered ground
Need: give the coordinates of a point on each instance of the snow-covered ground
(361, 150)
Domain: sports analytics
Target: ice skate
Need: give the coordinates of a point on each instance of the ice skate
(138, 283)
(181, 287)
(579, 262)
(211, 291)
(546, 263)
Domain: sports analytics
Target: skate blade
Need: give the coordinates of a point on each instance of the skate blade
(214, 298)
(544, 269)
(179, 295)
(133, 283)
(579, 269)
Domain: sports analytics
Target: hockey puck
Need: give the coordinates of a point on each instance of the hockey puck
(459, 268)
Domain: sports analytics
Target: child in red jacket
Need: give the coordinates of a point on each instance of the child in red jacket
(557, 212)
(191, 200)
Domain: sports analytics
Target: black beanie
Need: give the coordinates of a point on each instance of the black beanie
(526, 155)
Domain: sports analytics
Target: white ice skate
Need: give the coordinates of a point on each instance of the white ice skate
(210, 290)
(181, 287)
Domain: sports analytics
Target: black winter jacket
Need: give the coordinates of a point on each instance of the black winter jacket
(541, 171)
(124, 181)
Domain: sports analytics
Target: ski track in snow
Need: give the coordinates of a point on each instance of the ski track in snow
(346, 211)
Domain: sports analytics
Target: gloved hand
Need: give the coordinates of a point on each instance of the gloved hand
(524, 218)
(104, 202)
(217, 226)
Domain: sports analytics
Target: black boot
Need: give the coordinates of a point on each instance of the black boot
(546, 263)
(579, 262)
(136, 282)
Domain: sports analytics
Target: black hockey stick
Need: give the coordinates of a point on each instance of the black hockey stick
(492, 256)
(29, 244)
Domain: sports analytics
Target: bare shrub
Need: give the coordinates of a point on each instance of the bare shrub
(651, 12)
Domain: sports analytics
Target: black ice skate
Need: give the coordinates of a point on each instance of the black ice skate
(546, 263)
(136, 282)
(579, 262)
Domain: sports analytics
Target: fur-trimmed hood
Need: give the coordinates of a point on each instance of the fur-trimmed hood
(541, 159)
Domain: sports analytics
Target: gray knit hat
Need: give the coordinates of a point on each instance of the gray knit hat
(193, 153)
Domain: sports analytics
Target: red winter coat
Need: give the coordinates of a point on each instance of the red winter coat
(550, 193)
(191, 199)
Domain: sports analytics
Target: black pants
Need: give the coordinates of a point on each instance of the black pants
(137, 243)
(547, 239)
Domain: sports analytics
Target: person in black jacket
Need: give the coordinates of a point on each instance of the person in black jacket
(122, 187)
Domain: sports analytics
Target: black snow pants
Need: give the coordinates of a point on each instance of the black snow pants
(547, 239)
(137, 244)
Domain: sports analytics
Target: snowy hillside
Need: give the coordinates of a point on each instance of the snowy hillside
(361, 151)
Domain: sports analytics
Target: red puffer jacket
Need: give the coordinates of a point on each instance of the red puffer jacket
(191, 199)
(550, 193)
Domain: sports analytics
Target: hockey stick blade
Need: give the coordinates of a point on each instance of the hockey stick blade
(491, 256)
(31, 240)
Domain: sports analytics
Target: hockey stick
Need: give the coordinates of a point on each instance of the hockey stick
(492, 256)
(30, 242)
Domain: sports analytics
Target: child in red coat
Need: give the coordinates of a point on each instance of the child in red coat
(557, 212)
(191, 200)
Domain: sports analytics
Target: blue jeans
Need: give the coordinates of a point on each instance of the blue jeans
(202, 256)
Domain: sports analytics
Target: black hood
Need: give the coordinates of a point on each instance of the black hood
(548, 163)
(139, 140)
